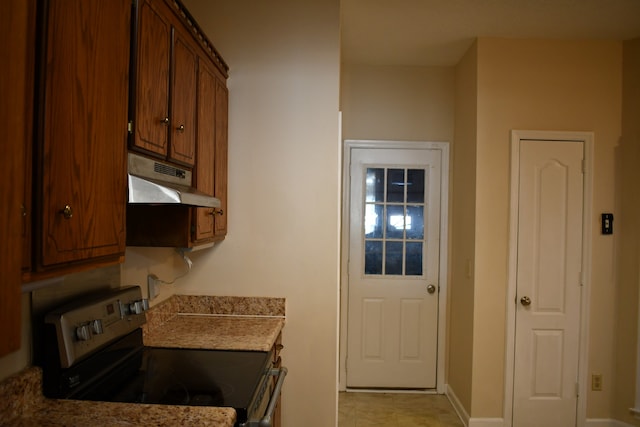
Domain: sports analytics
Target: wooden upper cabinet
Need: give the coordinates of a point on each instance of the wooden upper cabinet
(196, 122)
(211, 166)
(221, 155)
(165, 86)
(204, 217)
(81, 145)
(183, 101)
(17, 27)
(153, 56)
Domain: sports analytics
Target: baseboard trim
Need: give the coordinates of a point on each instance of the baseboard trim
(499, 422)
(604, 422)
(457, 406)
(486, 422)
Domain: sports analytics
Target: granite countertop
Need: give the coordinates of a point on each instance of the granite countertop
(31, 409)
(216, 323)
(216, 333)
(203, 322)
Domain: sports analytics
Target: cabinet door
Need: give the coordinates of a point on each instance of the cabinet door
(206, 147)
(221, 154)
(15, 86)
(152, 120)
(84, 130)
(183, 102)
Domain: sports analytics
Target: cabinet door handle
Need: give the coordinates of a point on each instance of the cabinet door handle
(180, 128)
(216, 212)
(165, 121)
(67, 212)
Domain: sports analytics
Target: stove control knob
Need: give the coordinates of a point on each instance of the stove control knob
(139, 307)
(83, 333)
(96, 327)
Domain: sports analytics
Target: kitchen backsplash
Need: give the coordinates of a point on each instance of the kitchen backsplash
(238, 306)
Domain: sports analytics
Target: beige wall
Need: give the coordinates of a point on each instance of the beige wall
(284, 176)
(541, 85)
(463, 230)
(397, 103)
(627, 247)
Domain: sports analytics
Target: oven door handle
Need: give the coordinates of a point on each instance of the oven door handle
(266, 421)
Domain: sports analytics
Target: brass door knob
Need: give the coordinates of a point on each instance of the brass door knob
(525, 301)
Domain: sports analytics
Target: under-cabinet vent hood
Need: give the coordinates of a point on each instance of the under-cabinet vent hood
(152, 182)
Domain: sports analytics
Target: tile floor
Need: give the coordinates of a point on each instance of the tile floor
(396, 410)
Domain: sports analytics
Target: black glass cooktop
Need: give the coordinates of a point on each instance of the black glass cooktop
(196, 377)
(184, 377)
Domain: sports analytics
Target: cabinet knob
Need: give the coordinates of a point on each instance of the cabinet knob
(180, 128)
(165, 121)
(215, 211)
(67, 212)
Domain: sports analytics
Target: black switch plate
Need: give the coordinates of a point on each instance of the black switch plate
(607, 223)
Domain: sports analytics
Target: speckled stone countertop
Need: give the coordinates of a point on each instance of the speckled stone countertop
(229, 323)
(219, 323)
(22, 405)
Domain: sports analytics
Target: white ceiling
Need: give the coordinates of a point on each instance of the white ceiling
(438, 32)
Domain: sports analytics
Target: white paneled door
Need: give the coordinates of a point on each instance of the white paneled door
(548, 283)
(393, 269)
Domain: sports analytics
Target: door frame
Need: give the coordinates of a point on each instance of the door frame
(443, 273)
(587, 139)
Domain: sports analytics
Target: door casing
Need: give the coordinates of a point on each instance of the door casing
(444, 238)
(587, 139)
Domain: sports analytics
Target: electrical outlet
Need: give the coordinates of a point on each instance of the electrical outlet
(596, 382)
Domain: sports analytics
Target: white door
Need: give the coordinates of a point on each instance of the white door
(393, 268)
(548, 282)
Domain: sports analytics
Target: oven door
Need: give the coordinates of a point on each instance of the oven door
(262, 413)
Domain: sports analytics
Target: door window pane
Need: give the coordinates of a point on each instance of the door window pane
(414, 259)
(395, 185)
(373, 220)
(373, 257)
(395, 222)
(415, 222)
(374, 185)
(415, 186)
(393, 258)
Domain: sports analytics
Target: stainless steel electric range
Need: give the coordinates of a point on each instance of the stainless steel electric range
(94, 351)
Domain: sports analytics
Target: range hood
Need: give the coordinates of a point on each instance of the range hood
(152, 182)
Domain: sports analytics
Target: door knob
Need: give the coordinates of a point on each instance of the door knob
(431, 289)
(67, 212)
(525, 301)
